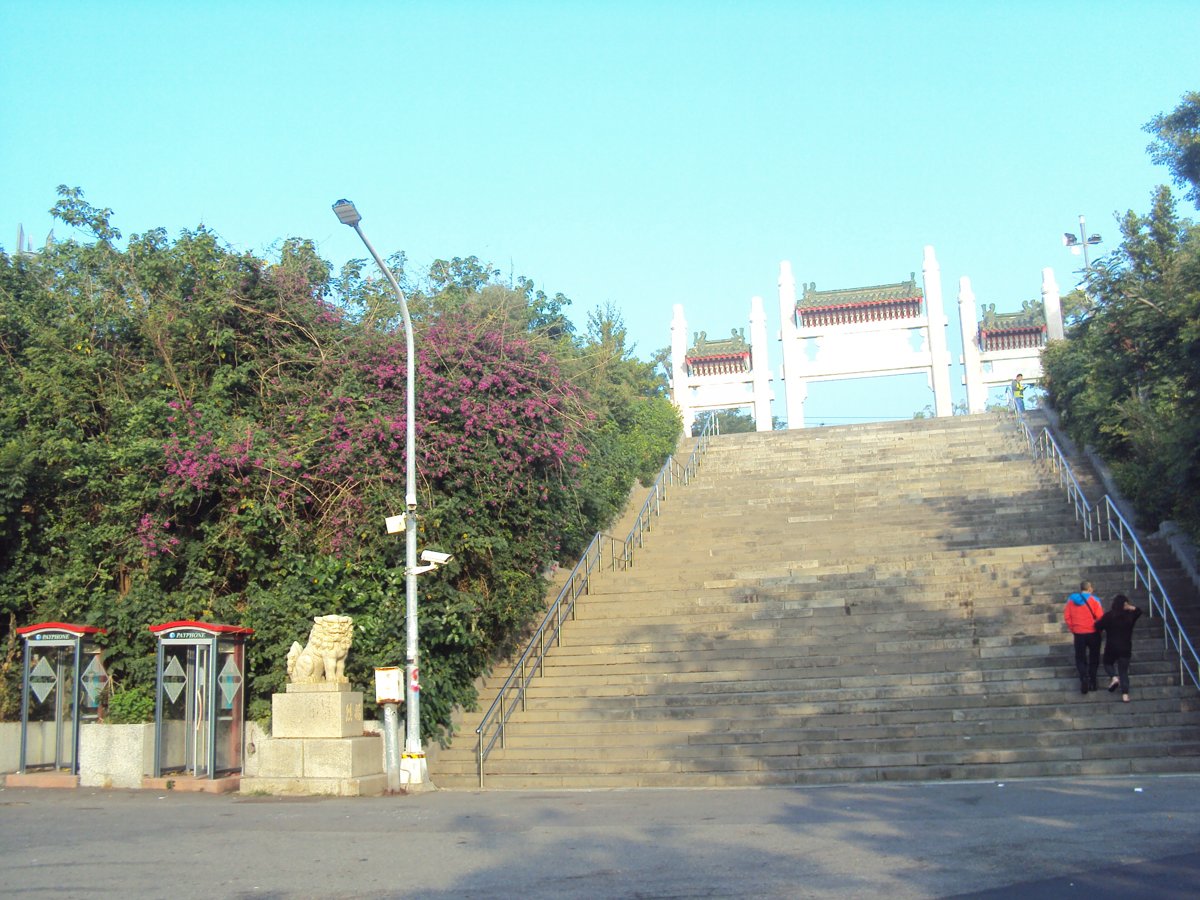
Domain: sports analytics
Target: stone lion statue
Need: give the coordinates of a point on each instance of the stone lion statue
(324, 658)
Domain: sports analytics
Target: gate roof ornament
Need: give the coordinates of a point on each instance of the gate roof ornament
(1025, 328)
(734, 345)
(1030, 314)
(859, 296)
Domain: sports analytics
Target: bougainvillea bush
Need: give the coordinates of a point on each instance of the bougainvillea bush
(192, 433)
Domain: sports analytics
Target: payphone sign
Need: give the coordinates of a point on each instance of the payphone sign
(53, 636)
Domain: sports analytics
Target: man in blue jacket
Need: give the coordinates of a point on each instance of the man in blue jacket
(1081, 613)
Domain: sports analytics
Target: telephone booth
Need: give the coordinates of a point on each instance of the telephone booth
(199, 713)
(62, 686)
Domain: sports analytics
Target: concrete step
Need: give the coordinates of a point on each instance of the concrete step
(833, 606)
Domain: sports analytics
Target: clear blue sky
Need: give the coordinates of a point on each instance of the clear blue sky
(635, 153)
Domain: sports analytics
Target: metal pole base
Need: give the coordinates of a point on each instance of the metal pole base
(391, 745)
(414, 773)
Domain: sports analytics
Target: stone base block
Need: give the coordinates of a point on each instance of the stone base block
(335, 714)
(329, 758)
(366, 786)
(319, 687)
(320, 758)
(271, 758)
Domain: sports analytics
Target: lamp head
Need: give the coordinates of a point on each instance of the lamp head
(1095, 239)
(346, 213)
(1069, 240)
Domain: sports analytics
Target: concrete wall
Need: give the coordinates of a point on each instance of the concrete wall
(10, 746)
(109, 755)
(115, 756)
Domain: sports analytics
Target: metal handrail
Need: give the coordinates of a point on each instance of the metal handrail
(549, 632)
(1045, 447)
(1118, 529)
(1173, 633)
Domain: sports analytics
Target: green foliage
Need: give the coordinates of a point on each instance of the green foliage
(192, 433)
(1127, 379)
(131, 707)
(10, 673)
(729, 421)
(1177, 144)
(635, 427)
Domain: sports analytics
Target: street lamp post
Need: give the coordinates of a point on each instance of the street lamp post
(413, 760)
(1076, 244)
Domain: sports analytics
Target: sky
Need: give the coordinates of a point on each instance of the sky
(638, 154)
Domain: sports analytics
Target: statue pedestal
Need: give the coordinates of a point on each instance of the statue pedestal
(317, 746)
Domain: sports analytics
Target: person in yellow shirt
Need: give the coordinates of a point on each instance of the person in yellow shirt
(1018, 393)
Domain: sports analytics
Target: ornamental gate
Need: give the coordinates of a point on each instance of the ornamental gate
(884, 329)
(1000, 346)
(721, 374)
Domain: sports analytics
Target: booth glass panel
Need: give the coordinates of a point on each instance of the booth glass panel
(228, 707)
(49, 729)
(183, 740)
(93, 682)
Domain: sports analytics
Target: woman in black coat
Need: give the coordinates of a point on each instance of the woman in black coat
(1117, 624)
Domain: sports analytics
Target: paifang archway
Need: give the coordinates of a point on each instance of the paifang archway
(725, 373)
(866, 332)
(999, 346)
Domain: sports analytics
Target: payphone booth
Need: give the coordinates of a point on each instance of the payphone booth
(62, 687)
(199, 713)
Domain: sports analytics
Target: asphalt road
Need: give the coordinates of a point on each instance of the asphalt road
(1087, 838)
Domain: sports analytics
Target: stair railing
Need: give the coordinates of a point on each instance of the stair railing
(1044, 447)
(1173, 634)
(604, 549)
(1105, 522)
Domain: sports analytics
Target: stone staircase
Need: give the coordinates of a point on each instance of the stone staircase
(853, 604)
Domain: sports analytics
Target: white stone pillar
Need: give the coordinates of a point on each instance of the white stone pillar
(1052, 305)
(939, 352)
(761, 365)
(968, 318)
(795, 391)
(679, 378)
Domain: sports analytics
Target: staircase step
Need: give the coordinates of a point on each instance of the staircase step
(856, 604)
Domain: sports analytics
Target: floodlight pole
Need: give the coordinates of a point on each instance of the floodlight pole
(1087, 265)
(413, 760)
(1084, 240)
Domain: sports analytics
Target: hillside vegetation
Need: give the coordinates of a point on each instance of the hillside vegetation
(189, 432)
(1127, 378)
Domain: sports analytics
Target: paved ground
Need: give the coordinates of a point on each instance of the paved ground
(1093, 838)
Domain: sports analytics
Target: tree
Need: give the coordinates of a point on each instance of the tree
(729, 421)
(189, 432)
(1177, 144)
(1127, 379)
(636, 427)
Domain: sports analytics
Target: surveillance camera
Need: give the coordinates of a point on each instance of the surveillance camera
(438, 559)
(395, 524)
